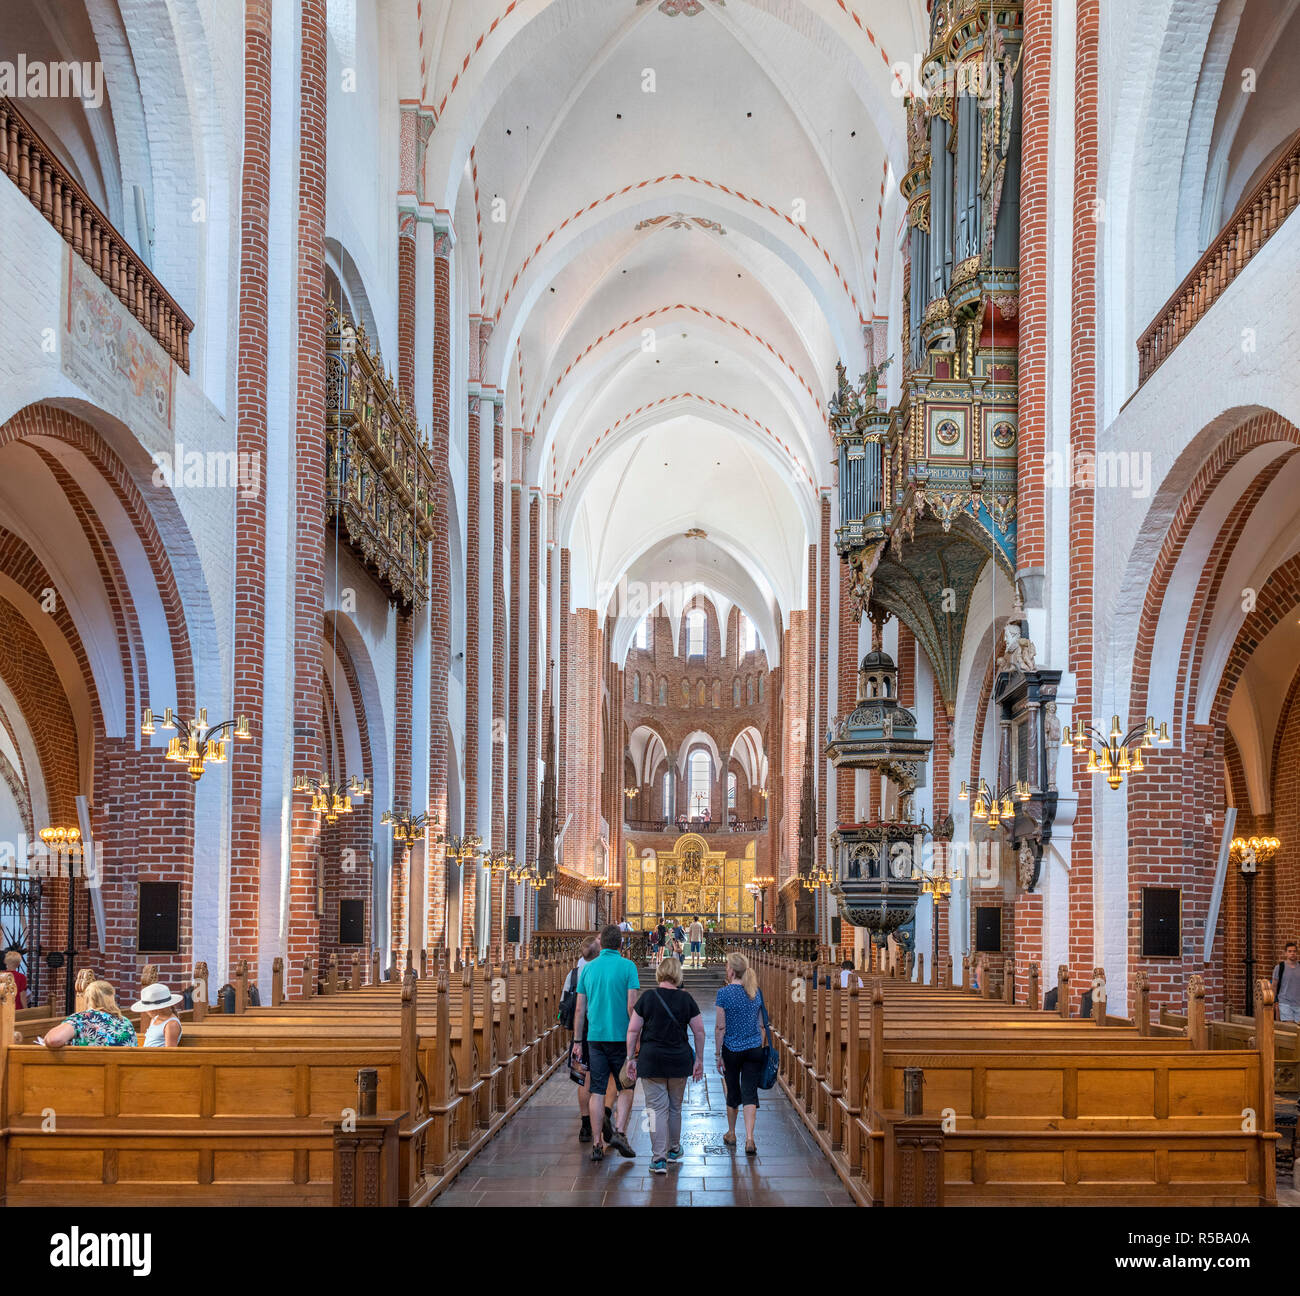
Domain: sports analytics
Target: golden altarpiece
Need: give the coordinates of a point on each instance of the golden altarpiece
(694, 878)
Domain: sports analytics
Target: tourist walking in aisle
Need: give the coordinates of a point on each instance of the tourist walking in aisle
(589, 951)
(607, 992)
(1286, 985)
(696, 935)
(739, 1040)
(660, 1022)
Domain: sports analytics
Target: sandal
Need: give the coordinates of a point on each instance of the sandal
(729, 1140)
(751, 1149)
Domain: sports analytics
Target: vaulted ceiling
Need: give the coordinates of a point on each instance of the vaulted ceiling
(684, 212)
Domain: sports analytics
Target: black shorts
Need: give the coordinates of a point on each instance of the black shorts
(605, 1059)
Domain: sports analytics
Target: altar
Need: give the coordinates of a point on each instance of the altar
(693, 879)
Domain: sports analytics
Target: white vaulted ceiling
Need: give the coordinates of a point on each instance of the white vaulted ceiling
(685, 212)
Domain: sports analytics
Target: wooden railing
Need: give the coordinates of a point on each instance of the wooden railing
(1256, 219)
(45, 181)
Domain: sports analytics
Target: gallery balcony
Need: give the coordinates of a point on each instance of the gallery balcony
(1257, 218)
(39, 175)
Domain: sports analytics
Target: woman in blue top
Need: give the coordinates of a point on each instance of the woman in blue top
(741, 1055)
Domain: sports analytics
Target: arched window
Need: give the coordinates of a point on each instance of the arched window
(749, 690)
(641, 639)
(735, 692)
(666, 794)
(717, 693)
(700, 769)
(649, 689)
(636, 688)
(731, 791)
(663, 692)
(695, 624)
(748, 635)
(702, 694)
(760, 688)
(686, 693)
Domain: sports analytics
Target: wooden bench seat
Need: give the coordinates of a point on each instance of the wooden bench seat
(1016, 1104)
(258, 1106)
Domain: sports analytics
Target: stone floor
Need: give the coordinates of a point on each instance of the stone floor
(538, 1161)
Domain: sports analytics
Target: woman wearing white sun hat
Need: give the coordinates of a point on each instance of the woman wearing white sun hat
(164, 1029)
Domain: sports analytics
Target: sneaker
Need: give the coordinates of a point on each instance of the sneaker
(675, 1154)
(659, 1166)
(598, 1153)
(607, 1130)
(620, 1144)
(584, 1134)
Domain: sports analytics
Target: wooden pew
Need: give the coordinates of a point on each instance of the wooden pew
(254, 1107)
(1034, 1108)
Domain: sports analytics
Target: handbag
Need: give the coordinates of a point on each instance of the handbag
(771, 1059)
(568, 1002)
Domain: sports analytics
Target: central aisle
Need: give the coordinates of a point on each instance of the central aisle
(538, 1161)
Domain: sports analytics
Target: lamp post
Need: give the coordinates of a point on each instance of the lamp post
(67, 842)
(1249, 853)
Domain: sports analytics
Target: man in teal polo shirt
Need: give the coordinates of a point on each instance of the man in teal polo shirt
(608, 988)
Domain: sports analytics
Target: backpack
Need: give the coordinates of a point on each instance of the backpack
(568, 1001)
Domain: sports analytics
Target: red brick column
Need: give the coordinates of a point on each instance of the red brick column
(1083, 440)
(500, 707)
(846, 691)
(402, 736)
(440, 588)
(1034, 340)
(250, 513)
(404, 685)
(820, 667)
(534, 710)
(562, 733)
(517, 686)
(309, 467)
(406, 305)
(473, 645)
(942, 798)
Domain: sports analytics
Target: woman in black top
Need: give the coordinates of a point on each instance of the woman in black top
(659, 1023)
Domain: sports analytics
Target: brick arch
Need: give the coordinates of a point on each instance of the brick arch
(1263, 428)
(1166, 807)
(142, 806)
(55, 423)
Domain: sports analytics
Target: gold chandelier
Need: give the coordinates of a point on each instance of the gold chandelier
(196, 743)
(1120, 754)
(817, 878)
(996, 808)
(330, 799)
(408, 828)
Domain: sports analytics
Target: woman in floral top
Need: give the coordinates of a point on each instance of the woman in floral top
(101, 1023)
